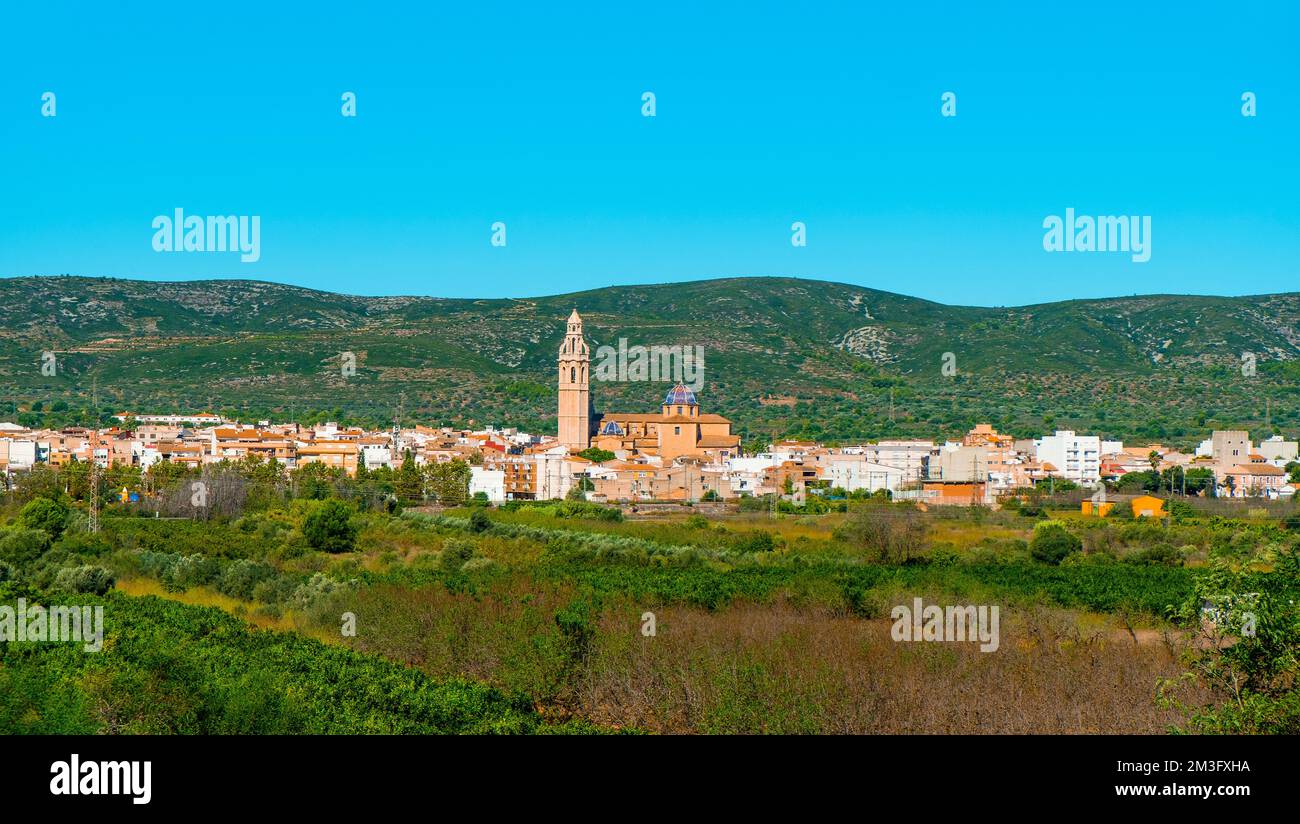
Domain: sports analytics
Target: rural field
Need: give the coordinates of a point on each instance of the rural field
(324, 605)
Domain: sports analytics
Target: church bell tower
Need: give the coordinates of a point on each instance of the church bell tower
(575, 393)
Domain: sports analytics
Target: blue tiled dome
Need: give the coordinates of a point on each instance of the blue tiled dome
(611, 428)
(680, 395)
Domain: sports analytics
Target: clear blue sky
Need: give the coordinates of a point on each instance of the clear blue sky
(767, 114)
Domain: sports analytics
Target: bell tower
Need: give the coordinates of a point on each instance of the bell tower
(575, 393)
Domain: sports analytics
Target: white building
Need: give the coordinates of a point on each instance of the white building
(854, 473)
(1279, 451)
(1076, 457)
(913, 457)
(490, 481)
(376, 454)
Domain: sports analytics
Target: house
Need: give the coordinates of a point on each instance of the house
(1252, 480)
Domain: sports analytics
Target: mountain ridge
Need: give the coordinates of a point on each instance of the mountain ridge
(784, 355)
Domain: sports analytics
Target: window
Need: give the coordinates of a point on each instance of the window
(573, 375)
(677, 430)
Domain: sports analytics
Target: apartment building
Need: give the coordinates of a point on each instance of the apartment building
(1075, 457)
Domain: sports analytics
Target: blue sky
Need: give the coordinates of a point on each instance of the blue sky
(766, 114)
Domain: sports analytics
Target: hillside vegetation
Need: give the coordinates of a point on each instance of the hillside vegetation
(783, 357)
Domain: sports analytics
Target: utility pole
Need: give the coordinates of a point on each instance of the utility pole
(94, 463)
(94, 484)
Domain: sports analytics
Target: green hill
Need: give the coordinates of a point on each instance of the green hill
(783, 356)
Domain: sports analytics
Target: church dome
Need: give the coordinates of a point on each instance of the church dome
(611, 428)
(680, 395)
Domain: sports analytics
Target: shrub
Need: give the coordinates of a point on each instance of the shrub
(891, 533)
(479, 521)
(241, 577)
(23, 546)
(192, 571)
(455, 553)
(94, 580)
(1162, 554)
(315, 592)
(758, 540)
(276, 590)
(1052, 542)
(85, 543)
(329, 528)
(477, 564)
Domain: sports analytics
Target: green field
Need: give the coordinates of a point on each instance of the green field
(564, 617)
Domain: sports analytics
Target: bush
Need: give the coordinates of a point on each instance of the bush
(85, 543)
(329, 527)
(241, 578)
(93, 580)
(1160, 554)
(192, 571)
(45, 514)
(455, 554)
(756, 541)
(1052, 542)
(315, 592)
(276, 590)
(23, 546)
(887, 533)
(479, 521)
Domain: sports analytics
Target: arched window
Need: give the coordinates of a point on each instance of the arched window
(573, 375)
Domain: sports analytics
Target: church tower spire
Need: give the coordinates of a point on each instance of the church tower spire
(575, 394)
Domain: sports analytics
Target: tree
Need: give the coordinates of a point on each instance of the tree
(448, 482)
(316, 481)
(1199, 480)
(596, 455)
(46, 514)
(329, 527)
(407, 483)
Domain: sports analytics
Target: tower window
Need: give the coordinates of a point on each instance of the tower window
(573, 375)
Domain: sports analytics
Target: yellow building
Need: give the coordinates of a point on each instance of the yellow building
(1101, 509)
(1148, 506)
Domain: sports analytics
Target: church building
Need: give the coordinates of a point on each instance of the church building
(678, 430)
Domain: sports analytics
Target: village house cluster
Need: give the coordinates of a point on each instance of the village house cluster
(678, 453)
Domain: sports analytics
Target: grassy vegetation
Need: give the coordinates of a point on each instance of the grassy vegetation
(533, 618)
